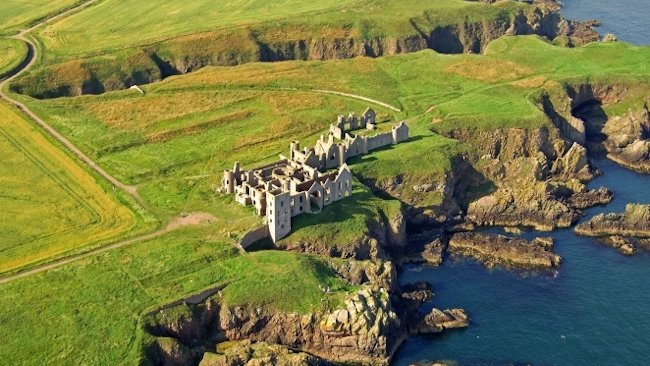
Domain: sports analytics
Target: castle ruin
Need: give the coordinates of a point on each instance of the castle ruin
(311, 178)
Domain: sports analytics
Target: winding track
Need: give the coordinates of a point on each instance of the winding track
(30, 60)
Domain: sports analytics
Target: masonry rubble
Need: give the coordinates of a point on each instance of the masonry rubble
(306, 182)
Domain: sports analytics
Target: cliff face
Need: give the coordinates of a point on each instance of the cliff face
(535, 175)
(365, 330)
(264, 43)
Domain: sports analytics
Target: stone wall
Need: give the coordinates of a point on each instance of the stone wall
(254, 236)
(380, 140)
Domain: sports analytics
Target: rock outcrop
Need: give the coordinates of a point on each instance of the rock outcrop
(246, 353)
(535, 206)
(365, 330)
(624, 231)
(628, 139)
(574, 164)
(499, 250)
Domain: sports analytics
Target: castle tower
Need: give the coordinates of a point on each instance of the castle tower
(295, 146)
(228, 181)
(342, 157)
(278, 214)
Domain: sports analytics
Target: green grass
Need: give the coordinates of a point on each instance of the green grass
(174, 141)
(89, 312)
(50, 205)
(15, 14)
(116, 24)
(344, 222)
(12, 53)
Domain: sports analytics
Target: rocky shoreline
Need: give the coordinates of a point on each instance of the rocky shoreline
(498, 250)
(626, 231)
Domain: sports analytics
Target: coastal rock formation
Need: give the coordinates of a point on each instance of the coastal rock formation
(494, 250)
(633, 222)
(438, 320)
(535, 206)
(366, 330)
(628, 139)
(246, 353)
(574, 164)
(624, 231)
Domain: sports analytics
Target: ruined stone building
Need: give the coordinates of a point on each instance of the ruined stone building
(305, 182)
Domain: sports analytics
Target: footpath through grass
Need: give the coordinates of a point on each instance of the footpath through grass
(50, 205)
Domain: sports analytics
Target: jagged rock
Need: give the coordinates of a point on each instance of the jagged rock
(415, 295)
(628, 139)
(590, 198)
(573, 164)
(365, 330)
(624, 231)
(438, 320)
(493, 250)
(610, 37)
(246, 353)
(634, 222)
(377, 273)
(433, 252)
(534, 204)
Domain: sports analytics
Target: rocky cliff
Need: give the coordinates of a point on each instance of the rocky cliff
(535, 174)
(281, 42)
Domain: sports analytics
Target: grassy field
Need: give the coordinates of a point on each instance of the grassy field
(174, 140)
(15, 14)
(50, 205)
(116, 24)
(12, 53)
(89, 312)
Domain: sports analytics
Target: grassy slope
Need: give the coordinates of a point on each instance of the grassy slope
(88, 312)
(344, 222)
(39, 178)
(15, 14)
(12, 53)
(116, 24)
(175, 139)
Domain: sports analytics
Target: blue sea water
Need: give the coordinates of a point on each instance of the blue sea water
(595, 310)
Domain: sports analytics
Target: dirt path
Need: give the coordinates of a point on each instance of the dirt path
(198, 218)
(30, 60)
(360, 97)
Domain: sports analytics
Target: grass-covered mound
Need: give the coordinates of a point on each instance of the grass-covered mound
(347, 227)
(89, 311)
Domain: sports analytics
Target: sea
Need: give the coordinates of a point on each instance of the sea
(594, 310)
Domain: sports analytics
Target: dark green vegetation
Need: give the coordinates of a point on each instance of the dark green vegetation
(173, 141)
